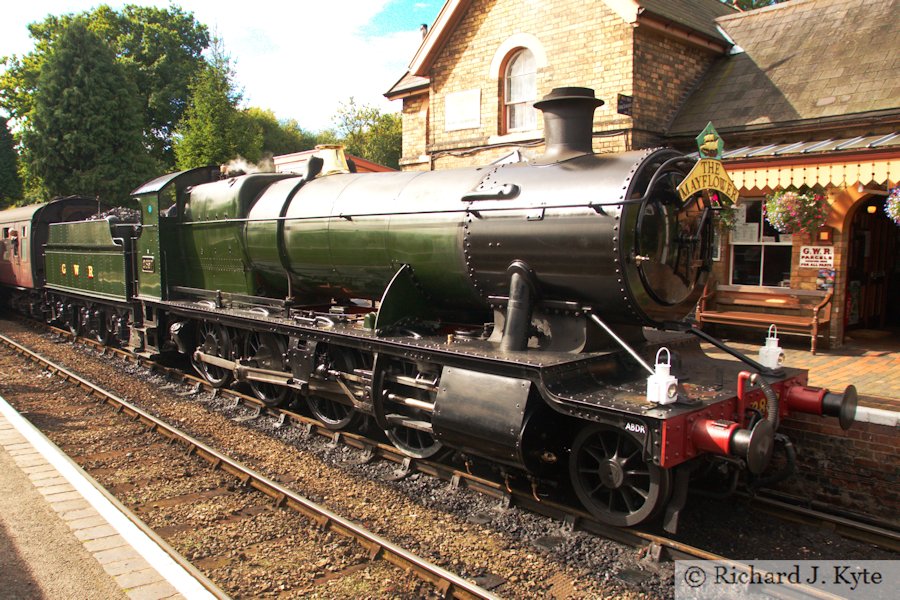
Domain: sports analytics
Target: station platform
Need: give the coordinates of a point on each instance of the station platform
(872, 365)
(62, 537)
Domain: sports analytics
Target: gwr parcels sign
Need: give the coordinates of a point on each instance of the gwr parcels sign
(817, 257)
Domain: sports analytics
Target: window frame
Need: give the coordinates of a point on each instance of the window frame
(506, 102)
(764, 230)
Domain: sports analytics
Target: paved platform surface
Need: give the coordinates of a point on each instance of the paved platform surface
(58, 541)
(873, 366)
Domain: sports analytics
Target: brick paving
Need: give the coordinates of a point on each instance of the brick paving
(133, 574)
(872, 366)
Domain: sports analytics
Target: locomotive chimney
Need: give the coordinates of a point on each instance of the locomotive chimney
(568, 122)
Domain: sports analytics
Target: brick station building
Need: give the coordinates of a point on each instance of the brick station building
(804, 93)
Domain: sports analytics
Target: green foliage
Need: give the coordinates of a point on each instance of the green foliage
(10, 184)
(161, 50)
(83, 135)
(276, 137)
(368, 133)
(213, 130)
(726, 218)
(751, 4)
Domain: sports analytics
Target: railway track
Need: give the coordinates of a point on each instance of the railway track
(506, 493)
(239, 490)
(881, 534)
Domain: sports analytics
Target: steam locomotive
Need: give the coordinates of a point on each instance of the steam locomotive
(510, 312)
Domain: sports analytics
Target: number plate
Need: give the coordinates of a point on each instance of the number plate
(148, 264)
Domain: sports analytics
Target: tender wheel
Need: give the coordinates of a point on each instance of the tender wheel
(413, 442)
(213, 339)
(112, 328)
(611, 478)
(72, 319)
(266, 351)
(100, 327)
(333, 414)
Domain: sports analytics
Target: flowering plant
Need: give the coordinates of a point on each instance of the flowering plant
(892, 205)
(792, 212)
(726, 218)
(725, 214)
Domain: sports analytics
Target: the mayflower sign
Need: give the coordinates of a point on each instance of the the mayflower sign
(708, 173)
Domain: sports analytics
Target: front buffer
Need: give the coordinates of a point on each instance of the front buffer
(633, 455)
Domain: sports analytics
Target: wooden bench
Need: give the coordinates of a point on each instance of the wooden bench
(791, 311)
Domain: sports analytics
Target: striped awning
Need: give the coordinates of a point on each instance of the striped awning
(880, 172)
(833, 162)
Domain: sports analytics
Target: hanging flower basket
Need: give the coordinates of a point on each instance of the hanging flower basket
(724, 215)
(790, 211)
(726, 218)
(892, 205)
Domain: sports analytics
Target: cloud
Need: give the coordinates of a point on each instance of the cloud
(298, 59)
(302, 59)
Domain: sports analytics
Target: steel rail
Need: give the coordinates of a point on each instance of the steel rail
(176, 556)
(447, 583)
(572, 518)
(883, 535)
(654, 545)
(879, 534)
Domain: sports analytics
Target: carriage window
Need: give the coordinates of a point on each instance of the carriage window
(5, 232)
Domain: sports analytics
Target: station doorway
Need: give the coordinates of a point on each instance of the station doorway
(872, 305)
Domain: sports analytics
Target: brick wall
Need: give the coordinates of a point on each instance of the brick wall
(586, 44)
(597, 49)
(665, 71)
(415, 130)
(856, 469)
(592, 51)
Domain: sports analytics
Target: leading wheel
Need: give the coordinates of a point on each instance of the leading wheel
(213, 339)
(611, 478)
(266, 351)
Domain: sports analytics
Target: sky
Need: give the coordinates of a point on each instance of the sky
(299, 59)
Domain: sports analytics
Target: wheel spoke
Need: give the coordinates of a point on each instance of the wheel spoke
(643, 494)
(600, 458)
(632, 455)
(611, 492)
(626, 497)
(602, 441)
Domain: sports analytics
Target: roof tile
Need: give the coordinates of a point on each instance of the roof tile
(804, 59)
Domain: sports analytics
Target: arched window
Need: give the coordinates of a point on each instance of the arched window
(520, 91)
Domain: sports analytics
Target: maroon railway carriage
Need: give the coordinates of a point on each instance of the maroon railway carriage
(23, 233)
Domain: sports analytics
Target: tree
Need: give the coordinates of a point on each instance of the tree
(84, 131)
(211, 131)
(368, 133)
(161, 50)
(277, 137)
(10, 184)
(751, 4)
